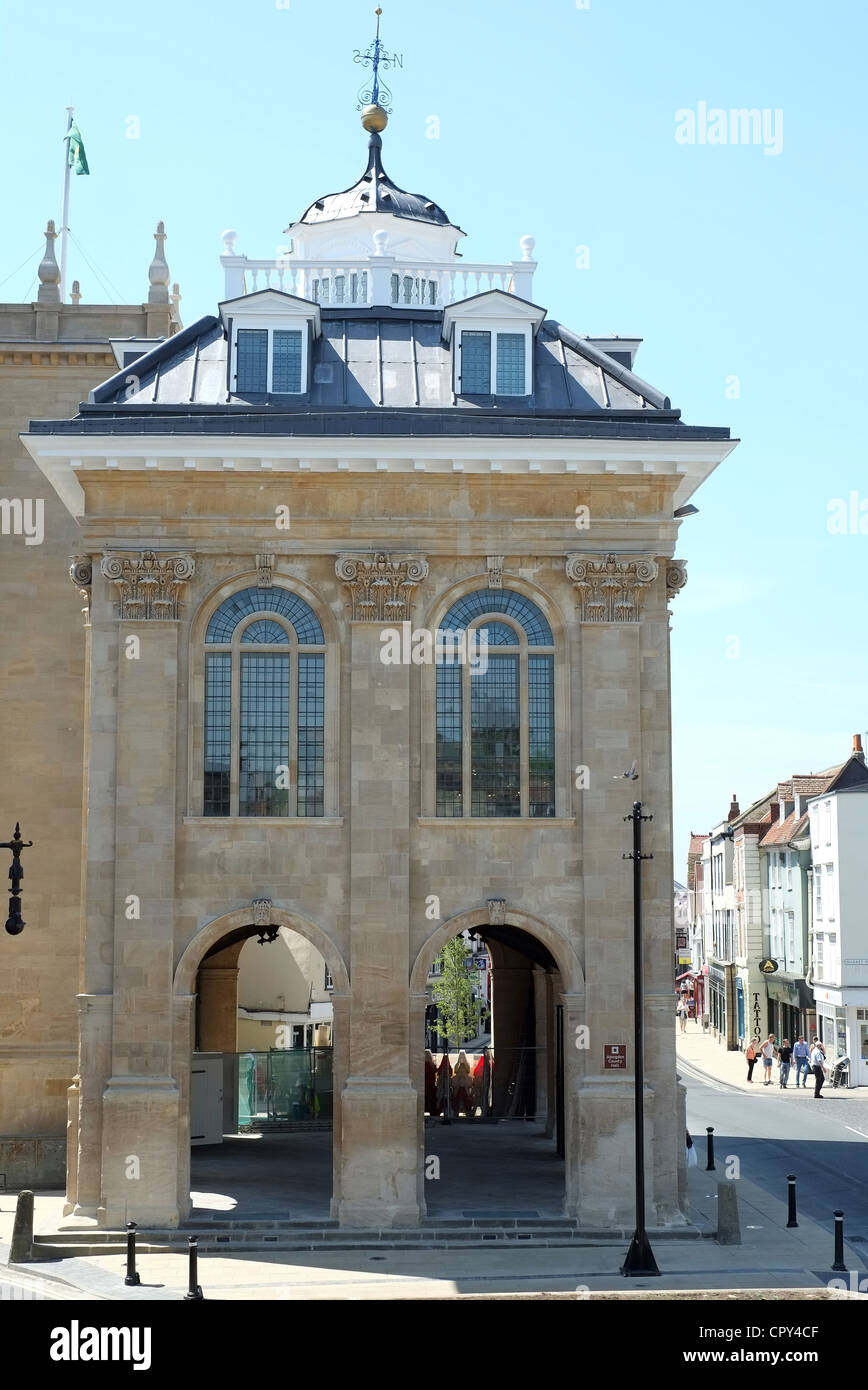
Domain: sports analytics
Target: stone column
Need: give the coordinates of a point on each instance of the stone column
(141, 1104)
(543, 1040)
(511, 994)
(610, 591)
(183, 1031)
(340, 1071)
(379, 1104)
(552, 991)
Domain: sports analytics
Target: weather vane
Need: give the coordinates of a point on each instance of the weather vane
(377, 57)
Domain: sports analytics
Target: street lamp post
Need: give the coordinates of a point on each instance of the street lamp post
(640, 1257)
(15, 922)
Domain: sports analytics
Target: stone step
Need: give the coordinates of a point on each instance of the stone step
(239, 1235)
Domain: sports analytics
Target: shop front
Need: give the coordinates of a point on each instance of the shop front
(721, 1003)
(792, 1011)
(842, 1027)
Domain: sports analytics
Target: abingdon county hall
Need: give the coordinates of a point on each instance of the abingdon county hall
(370, 435)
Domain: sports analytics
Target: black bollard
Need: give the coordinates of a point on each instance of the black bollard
(791, 1201)
(839, 1264)
(194, 1292)
(709, 1130)
(132, 1276)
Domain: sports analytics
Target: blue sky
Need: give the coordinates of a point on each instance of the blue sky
(560, 122)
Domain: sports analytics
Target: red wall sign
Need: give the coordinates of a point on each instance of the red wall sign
(614, 1057)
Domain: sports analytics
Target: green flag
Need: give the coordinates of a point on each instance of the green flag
(76, 157)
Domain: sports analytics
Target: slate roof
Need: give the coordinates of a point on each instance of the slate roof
(375, 192)
(379, 372)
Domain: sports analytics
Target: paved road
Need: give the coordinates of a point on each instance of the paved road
(773, 1133)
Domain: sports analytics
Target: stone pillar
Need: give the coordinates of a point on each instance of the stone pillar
(379, 1104)
(610, 592)
(183, 1039)
(98, 906)
(72, 1099)
(552, 991)
(543, 1040)
(340, 1071)
(141, 1102)
(418, 1004)
(511, 995)
(217, 990)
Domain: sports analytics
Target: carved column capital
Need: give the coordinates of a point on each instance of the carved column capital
(148, 584)
(610, 588)
(676, 577)
(380, 586)
(81, 575)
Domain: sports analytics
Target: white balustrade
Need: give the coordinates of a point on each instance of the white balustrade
(377, 279)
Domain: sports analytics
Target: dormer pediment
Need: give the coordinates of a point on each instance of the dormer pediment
(271, 306)
(493, 305)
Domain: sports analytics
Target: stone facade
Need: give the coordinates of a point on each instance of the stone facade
(51, 355)
(396, 513)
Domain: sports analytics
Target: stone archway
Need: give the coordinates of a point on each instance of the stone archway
(537, 968)
(221, 941)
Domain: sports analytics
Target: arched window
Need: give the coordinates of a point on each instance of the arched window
(264, 707)
(495, 717)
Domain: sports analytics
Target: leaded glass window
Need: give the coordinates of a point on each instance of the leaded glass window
(286, 360)
(475, 363)
(264, 707)
(510, 364)
(252, 359)
(495, 715)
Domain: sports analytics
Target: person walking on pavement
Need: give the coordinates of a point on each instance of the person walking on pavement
(800, 1057)
(768, 1051)
(785, 1053)
(817, 1061)
(750, 1058)
(682, 1015)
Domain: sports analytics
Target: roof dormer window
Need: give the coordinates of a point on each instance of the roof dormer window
(269, 360)
(492, 338)
(270, 334)
(493, 364)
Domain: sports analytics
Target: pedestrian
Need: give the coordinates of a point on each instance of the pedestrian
(768, 1051)
(750, 1058)
(682, 1015)
(801, 1052)
(818, 1066)
(785, 1053)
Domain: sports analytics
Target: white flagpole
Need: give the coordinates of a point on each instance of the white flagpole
(64, 224)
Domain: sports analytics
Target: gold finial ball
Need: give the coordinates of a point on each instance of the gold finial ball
(374, 118)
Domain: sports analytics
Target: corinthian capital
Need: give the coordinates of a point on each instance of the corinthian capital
(381, 587)
(610, 588)
(148, 585)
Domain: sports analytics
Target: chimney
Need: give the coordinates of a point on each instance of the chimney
(857, 749)
(733, 810)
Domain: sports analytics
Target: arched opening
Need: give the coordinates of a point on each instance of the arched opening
(492, 1103)
(263, 1082)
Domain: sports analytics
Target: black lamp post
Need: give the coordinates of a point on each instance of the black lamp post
(15, 922)
(640, 1257)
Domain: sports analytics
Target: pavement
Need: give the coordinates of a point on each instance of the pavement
(772, 1259)
(703, 1052)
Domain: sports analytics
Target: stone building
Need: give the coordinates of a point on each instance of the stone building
(372, 441)
(51, 355)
